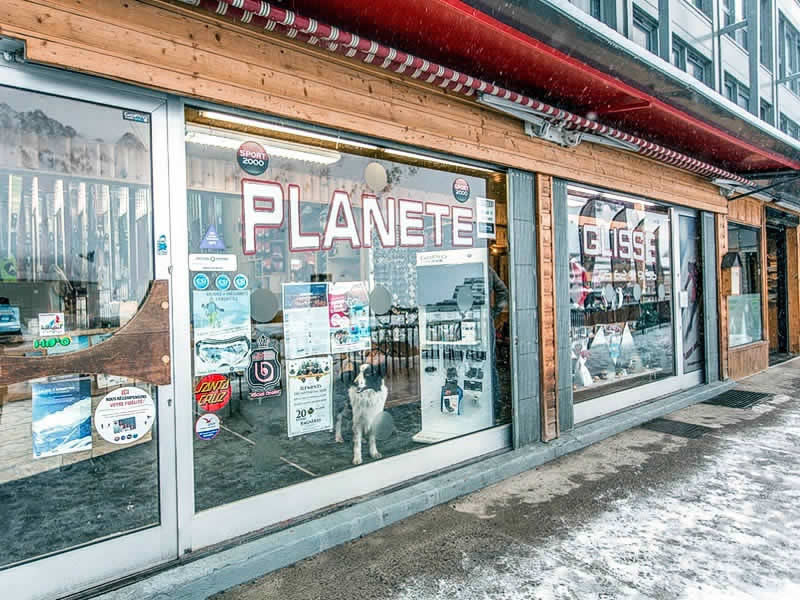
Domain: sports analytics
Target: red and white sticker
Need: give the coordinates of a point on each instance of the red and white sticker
(212, 392)
(207, 426)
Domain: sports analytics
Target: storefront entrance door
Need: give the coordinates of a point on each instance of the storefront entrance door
(776, 292)
(87, 456)
(690, 301)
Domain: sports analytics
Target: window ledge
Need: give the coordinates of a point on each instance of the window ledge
(699, 12)
(749, 346)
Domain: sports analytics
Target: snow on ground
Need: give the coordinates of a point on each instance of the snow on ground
(730, 530)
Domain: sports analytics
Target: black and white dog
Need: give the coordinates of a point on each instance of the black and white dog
(366, 400)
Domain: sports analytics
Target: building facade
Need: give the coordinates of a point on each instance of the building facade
(259, 268)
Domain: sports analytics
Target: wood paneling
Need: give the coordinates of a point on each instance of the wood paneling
(547, 308)
(748, 359)
(793, 286)
(190, 52)
(748, 211)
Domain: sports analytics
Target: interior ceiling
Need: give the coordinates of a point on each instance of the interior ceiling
(468, 39)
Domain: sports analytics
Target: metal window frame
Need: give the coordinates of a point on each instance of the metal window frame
(118, 554)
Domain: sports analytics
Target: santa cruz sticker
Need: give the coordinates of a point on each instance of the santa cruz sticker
(264, 372)
(207, 427)
(252, 158)
(212, 392)
(461, 189)
(125, 415)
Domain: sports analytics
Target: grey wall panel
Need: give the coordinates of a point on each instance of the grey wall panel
(524, 324)
(710, 313)
(561, 266)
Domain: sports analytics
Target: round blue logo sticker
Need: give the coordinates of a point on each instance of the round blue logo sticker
(207, 426)
(223, 282)
(461, 189)
(240, 281)
(201, 281)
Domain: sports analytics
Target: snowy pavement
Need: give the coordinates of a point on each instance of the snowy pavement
(642, 515)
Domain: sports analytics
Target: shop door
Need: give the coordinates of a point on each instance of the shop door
(87, 454)
(776, 291)
(690, 299)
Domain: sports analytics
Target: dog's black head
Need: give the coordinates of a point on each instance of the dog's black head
(373, 379)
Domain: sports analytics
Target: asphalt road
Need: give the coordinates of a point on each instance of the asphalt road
(642, 515)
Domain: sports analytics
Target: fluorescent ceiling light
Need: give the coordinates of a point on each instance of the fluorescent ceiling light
(273, 147)
(218, 116)
(439, 161)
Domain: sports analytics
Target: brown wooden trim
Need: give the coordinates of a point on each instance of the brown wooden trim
(722, 307)
(548, 355)
(140, 349)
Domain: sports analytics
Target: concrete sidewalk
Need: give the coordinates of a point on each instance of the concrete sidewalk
(640, 515)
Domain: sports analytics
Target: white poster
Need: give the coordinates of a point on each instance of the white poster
(485, 218)
(305, 319)
(221, 321)
(125, 415)
(348, 306)
(212, 262)
(309, 402)
(51, 324)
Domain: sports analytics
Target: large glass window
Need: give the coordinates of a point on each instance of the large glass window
(744, 310)
(645, 30)
(620, 292)
(76, 261)
(341, 293)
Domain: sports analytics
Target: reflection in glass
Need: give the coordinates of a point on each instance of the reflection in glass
(399, 329)
(75, 263)
(744, 310)
(620, 292)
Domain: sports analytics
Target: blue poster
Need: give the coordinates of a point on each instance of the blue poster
(62, 417)
(9, 319)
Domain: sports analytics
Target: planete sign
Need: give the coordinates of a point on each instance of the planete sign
(252, 158)
(212, 392)
(401, 223)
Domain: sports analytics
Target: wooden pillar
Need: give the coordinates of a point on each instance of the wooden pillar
(793, 286)
(547, 307)
(722, 307)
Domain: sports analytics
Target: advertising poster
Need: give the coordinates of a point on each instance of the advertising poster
(51, 324)
(348, 310)
(691, 313)
(305, 319)
(62, 417)
(309, 404)
(485, 218)
(221, 322)
(125, 415)
(9, 319)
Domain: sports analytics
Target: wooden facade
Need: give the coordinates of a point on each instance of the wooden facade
(171, 47)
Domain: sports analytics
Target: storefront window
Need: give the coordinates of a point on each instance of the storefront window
(348, 303)
(620, 292)
(744, 310)
(76, 261)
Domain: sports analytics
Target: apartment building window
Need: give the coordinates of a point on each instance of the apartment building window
(645, 31)
(789, 127)
(591, 7)
(737, 92)
(765, 111)
(733, 12)
(789, 53)
(765, 33)
(686, 59)
(703, 6)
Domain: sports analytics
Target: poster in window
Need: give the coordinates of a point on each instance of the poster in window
(62, 416)
(221, 321)
(348, 310)
(691, 314)
(305, 319)
(310, 396)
